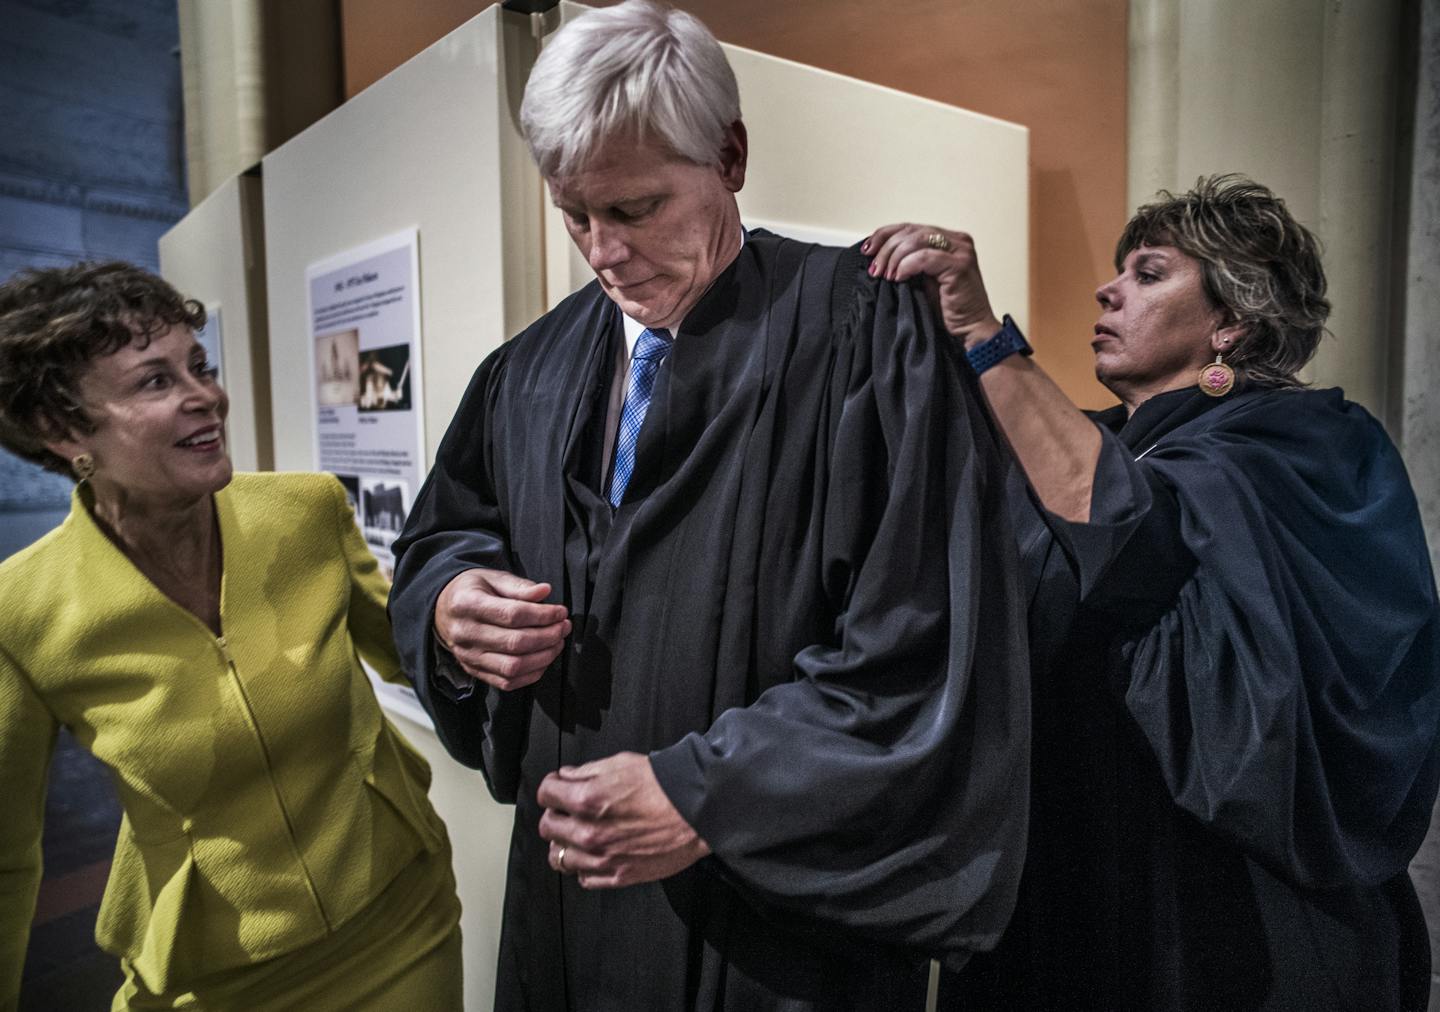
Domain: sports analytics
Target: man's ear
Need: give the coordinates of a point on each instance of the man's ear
(733, 153)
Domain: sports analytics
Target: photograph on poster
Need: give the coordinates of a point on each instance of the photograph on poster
(383, 504)
(385, 379)
(337, 368)
(352, 490)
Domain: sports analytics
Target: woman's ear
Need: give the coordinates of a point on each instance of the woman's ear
(63, 442)
(1227, 337)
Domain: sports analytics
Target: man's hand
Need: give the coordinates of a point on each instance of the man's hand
(498, 628)
(610, 823)
(950, 269)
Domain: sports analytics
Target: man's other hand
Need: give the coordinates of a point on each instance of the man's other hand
(610, 823)
(498, 627)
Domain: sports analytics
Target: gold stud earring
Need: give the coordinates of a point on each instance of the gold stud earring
(83, 465)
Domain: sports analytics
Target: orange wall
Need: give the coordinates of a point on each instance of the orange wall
(379, 35)
(1055, 66)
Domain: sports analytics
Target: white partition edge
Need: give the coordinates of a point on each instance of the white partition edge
(216, 254)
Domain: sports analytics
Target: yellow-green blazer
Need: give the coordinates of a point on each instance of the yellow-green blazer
(267, 799)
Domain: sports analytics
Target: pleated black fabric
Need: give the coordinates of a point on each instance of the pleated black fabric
(1236, 704)
(807, 610)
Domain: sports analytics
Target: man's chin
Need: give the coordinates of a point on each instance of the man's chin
(647, 312)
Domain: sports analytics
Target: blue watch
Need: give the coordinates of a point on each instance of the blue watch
(1006, 342)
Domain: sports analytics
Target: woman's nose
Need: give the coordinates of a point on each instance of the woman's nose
(203, 393)
(1108, 294)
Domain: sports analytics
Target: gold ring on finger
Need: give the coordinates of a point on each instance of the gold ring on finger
(560, 859)
(938, 240)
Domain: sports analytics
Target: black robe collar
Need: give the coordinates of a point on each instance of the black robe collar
(1158, 416)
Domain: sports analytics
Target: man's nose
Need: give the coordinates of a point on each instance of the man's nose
(608, 248)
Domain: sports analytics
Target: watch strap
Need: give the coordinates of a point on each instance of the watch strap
(992, 351)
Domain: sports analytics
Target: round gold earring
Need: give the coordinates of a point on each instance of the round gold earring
(83, 465)
(1217, 378)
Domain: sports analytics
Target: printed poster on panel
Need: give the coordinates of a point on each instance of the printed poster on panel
(369, 428)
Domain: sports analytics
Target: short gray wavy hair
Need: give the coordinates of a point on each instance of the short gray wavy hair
(636, 69)
(1258, 264)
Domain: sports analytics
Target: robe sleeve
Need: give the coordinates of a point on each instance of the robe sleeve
(883, 787)
(27, 739)
(367, 620)
(456, 525)
(1275, 635)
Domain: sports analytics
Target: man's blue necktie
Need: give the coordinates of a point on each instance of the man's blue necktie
(650, 352)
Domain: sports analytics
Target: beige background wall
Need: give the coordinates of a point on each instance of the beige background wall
(1302, 97)
(1054, 66)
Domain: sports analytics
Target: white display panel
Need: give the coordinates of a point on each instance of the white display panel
(432, 148)
(832, 158)
(216, 254)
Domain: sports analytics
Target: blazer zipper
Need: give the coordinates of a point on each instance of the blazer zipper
(224, 646)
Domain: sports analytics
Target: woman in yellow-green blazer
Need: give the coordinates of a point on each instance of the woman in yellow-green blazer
(199, 635)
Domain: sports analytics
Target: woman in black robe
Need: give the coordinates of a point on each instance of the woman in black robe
(1234, 629)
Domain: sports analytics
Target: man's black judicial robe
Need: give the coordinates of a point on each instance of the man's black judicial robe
(1236, 702)
(807, 610)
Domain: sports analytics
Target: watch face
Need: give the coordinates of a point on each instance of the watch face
(1016, 339)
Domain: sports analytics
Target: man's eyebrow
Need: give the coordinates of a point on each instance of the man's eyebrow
(641, 198)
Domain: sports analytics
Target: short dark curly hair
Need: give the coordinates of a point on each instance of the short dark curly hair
(53, 322)
(1260, 266)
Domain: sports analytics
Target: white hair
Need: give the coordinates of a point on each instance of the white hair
(636, 69)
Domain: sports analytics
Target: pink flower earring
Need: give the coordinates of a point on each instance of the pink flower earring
(1217, 378)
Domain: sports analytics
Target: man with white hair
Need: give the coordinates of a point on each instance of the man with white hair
(712, 580)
